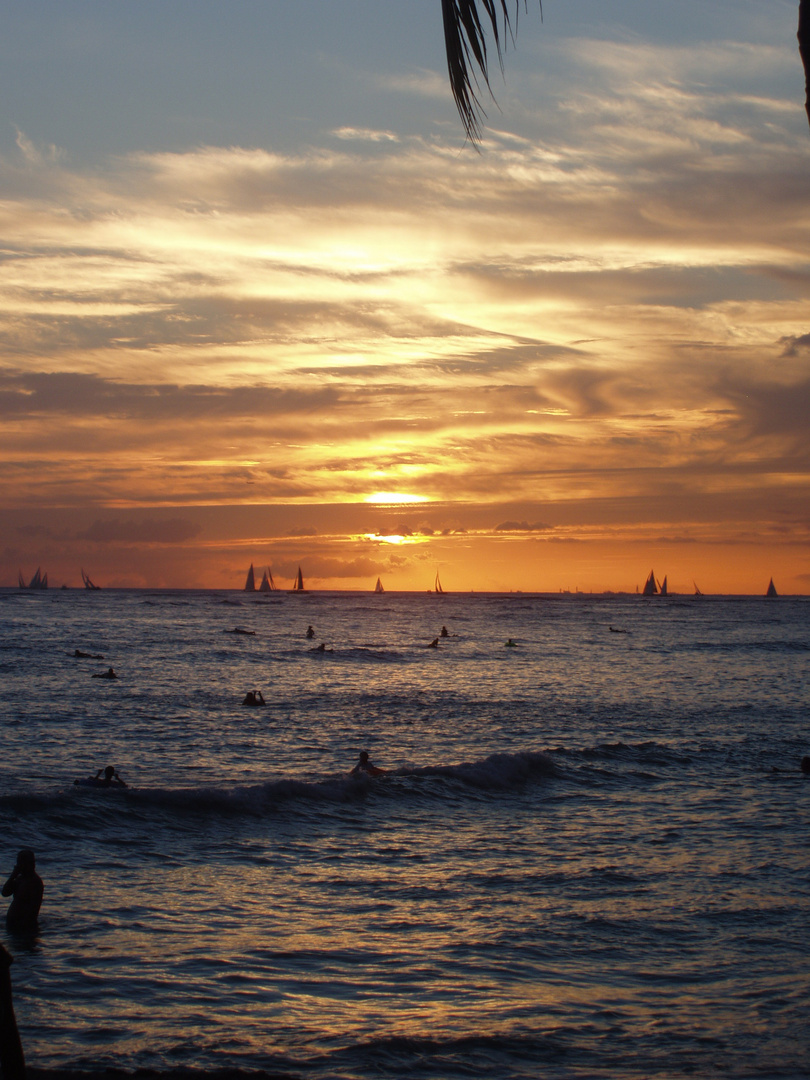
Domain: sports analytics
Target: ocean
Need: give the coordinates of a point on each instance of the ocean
(588, 856)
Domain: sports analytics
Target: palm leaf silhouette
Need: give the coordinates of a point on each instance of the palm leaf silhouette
(465, 30)
(804, 48)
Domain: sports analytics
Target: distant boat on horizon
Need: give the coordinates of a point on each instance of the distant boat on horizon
(250, 583)
(437, 585)
(268, 585)
(88, 584)
(662, 588)
(697, 590)
(38, 581)
(379, 586)
(771, 589)
(299, 582)
(650, 588)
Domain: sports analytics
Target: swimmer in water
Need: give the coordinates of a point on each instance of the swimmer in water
(511, 644)
(108, 674)
(434, 644)
(25, 887)
(364, 767)
(104, 778)
(110, 777)
(254, 697)
(444, 632)
(310, 633)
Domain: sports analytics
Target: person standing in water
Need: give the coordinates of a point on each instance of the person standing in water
(26, 889)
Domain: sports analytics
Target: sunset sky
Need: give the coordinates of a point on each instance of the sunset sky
(261, 303)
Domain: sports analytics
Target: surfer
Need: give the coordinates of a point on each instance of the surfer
(108, 778)
(310, 633)
(444, 632)
(254, 697)
(239, 630)
(108, 674)
(511, 644)
(25, 887)
(364, 767)
(104, 778)
(322, 648)
(434, 644)
(88, 655)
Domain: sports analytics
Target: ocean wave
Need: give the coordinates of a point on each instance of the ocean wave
(645, 753)
(496, 773)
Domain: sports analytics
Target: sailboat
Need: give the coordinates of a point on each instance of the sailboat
(379, 586)
(268, 585)
(771, 589)
(662, 588)
(697, 590)
(88, 583)
(437, 587)
(250, 583)
(299, 582)
(650, 588)
(38, 581)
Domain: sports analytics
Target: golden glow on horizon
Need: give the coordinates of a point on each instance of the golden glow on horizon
(397, 540)
(591, 357)
(395, 498)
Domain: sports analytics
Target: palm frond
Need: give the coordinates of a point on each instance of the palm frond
(465, 30)
(804, 49)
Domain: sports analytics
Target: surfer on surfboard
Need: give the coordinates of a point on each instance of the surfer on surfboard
(364, 767)
(104, 778)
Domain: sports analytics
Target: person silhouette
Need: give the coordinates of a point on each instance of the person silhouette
(25, 887)
(364, 767)
(254, 697)
(108, 674)
(12, 1059)
(110, 778)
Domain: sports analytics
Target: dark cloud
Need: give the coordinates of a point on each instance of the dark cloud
(523, 526)
(794, 346)
(141, 531)
(74, 394)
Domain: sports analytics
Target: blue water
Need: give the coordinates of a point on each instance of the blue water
(589, 856)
